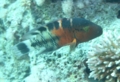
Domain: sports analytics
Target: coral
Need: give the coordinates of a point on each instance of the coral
(39, 73)
(60, 66)
(12, 15)
(39, 2)
(80, 4)
(2, 26)
(19, 16)
(15, 12)
(67, 6)
(104, 60)
(10, 68)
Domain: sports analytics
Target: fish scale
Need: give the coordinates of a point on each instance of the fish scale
(59, 33)
(46, 40)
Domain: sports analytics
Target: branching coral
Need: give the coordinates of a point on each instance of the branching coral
(104, 61)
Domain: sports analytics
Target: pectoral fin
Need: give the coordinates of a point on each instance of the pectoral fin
(72, 45)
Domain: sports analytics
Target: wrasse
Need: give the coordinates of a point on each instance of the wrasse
(59, 33)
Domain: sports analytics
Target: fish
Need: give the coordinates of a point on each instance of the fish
(58, 33)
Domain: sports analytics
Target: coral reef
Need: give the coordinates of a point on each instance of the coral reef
(104, 60)
(67, 6)
(61, 66)
(39, 73)
(39, 2)
(20, 16)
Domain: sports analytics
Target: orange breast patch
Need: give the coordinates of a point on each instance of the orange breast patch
(65, 36)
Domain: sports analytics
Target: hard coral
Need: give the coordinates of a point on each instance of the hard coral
(39, 2)
(67, 6)
(104, 61)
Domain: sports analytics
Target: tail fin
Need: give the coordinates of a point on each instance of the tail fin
(22, 48)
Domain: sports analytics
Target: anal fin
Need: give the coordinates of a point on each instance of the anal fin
(72, 45)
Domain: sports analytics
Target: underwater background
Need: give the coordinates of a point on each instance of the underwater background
(97, 60)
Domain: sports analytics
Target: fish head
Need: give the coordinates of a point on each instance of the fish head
(87, 32)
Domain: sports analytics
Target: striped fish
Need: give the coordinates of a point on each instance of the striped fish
(59, 33)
